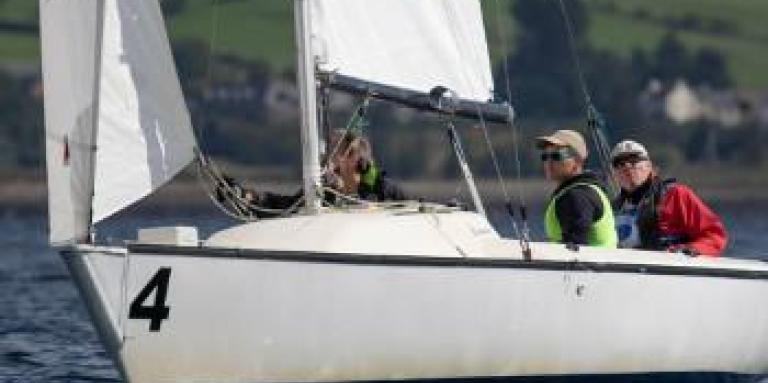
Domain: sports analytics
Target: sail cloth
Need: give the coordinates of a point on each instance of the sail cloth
(145, 135)
(415, 45)
(142, 132)
(68, 45)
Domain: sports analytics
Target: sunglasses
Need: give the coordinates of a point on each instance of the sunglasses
(632, 160)
(556, 155)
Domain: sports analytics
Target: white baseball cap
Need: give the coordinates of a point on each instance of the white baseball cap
(629, 147)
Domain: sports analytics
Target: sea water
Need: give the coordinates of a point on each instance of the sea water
(46, 336)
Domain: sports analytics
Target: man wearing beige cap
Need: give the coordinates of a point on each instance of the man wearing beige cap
(657, 214)
(579, 211)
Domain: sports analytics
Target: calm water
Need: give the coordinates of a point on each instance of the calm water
(46, 337)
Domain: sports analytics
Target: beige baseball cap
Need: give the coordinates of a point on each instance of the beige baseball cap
(569, 138)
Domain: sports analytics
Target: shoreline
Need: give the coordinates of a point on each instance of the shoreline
(30, 193)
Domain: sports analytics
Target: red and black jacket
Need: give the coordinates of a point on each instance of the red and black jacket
(672, 217)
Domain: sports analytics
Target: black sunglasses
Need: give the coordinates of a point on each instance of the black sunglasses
(631, 159)
(556, 155)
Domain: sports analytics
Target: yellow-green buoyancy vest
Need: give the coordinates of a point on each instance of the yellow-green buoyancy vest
(602, 233)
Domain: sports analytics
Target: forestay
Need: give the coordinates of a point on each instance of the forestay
(125, 70)
(416, 45)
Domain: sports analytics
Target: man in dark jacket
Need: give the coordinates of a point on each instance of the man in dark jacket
(579, 211)
(657, 214)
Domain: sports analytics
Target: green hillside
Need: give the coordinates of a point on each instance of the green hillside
(256, 30)
(262, 29)
(735, 28)
(18, 47)
(18, 10)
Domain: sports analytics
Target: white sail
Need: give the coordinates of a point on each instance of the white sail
(68, 41)
(144, 132)
(415, 45)
(117, 126)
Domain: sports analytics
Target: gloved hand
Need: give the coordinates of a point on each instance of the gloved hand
(684, 249)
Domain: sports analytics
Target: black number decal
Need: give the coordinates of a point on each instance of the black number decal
(159, 312)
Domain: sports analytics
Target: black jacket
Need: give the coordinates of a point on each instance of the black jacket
(579, 207)
(382, 189)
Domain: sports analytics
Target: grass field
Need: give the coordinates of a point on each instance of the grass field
(746, 50)
(255, 30)
(263, 29)
(18, 10)
(747, 15)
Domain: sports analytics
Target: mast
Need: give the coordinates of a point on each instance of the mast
(310, 149)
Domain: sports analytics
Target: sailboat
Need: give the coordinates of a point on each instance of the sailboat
(410, 291)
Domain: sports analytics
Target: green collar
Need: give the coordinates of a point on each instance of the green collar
(370, 176)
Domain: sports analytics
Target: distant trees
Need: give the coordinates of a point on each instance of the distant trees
(544, 76)
(542, 69)
(21, 123)
(545, 84)
(709, 68)
(671, 61)
(226, 97)
(172, 7)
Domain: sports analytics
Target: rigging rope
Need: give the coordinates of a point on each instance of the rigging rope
(523, 230)
(355, 125)
(212, 45)
(499, 176)
(224, 192)
(229, 197)
(595, 121)
(212, 49)
(324, 116)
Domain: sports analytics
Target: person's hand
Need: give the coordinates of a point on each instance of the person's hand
(684, 249)
(332, 180)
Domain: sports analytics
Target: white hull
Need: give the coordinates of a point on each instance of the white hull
(288, 315)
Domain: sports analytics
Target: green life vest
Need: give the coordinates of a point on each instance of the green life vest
(602, 233)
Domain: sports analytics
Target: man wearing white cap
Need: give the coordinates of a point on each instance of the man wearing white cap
(579, 212)
(657, 214)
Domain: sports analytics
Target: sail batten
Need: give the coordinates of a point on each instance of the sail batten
(415, 45)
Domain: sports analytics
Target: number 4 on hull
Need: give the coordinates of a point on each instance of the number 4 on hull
(159, 311)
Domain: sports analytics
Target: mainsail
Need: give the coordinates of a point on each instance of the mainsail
(117, 126)
(415, 45)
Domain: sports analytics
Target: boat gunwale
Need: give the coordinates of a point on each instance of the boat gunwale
(452, 262)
